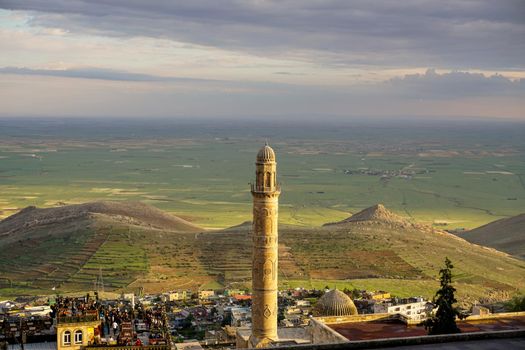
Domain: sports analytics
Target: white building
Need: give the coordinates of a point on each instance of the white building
(241, 316)
(415, 311)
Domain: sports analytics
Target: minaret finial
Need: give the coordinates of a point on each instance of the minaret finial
(266, 142)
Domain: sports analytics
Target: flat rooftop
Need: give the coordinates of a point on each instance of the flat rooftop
(395, 329)
(297, 335)
(487, 344)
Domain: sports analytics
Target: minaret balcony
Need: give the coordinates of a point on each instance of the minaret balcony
(263, 189)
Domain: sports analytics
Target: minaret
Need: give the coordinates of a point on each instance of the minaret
(265, 194)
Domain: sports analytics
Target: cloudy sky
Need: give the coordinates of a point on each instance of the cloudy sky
(246, 58)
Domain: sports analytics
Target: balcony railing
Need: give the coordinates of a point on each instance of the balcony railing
(77, 319)
(126, 347)
(263, 189)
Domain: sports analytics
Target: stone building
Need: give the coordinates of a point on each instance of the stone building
(76, 331)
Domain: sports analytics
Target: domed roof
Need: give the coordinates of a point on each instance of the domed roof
(335, 303)
(266, 154)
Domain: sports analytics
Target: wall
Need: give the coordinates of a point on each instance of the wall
(88, 333)
(322, 334)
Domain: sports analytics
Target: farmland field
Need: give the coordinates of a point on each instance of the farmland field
(453, 175)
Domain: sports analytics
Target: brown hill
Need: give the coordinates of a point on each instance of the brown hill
(376, 213)
(130, 212)
(372, 250)
(507, 235)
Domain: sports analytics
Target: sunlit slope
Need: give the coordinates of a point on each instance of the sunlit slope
(374, 249)
(131, 212)
(68, 248)
(507, 235)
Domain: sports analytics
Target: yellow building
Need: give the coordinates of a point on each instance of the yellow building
(206, 294)
(74, 332)
(380, 295)
(174, 296)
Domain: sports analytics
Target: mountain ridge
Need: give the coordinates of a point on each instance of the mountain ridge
(132, 212)
(376, 249)
(506, 234)
(377, 213)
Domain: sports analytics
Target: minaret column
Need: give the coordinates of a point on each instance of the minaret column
(265, 194)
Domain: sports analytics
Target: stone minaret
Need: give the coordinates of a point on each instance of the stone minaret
(265, 194)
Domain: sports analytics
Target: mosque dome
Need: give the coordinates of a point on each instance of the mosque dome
(335, 303)
(266, 154)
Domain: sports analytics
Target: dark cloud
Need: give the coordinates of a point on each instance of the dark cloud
(459, 34)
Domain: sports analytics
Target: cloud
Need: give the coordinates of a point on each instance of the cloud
(455, 84)
(459, 34)
(24, 95)
(183, 83)
(240, 58)
(96, 73)
(430, 85)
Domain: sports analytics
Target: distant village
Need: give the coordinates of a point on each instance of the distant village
(406, 173)
(174, 319)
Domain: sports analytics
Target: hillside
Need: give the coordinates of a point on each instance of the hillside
(129, 212)
(71, 245)
(374, 252)
(375, 214)
(507, 235)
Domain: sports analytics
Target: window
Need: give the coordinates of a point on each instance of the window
(67, 338)
(397, 309)
(78, 337)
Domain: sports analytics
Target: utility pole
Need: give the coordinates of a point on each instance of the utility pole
(99, 282)
(22, 335)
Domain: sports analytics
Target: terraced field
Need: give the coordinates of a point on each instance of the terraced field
(48, 258)
(397, 256)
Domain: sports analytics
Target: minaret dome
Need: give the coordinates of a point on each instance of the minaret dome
(266, 154)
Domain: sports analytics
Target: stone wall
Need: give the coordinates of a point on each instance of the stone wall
(354, 318)
(322, 334)
(411, 341)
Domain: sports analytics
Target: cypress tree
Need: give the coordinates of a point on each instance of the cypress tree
(444, 320)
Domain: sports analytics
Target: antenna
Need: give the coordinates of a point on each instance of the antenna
(99, 282)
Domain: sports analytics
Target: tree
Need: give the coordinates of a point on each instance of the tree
(227, 320)
(516, 304)
(444, 320)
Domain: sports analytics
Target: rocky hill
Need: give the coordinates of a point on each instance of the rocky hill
(374, 249)
(129, 212)
(507, 235)
(375, 214)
